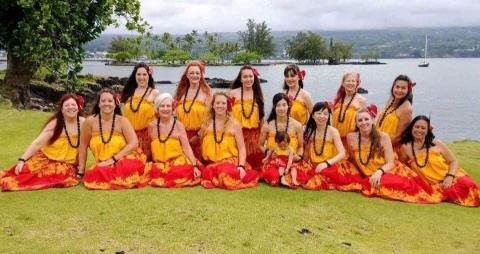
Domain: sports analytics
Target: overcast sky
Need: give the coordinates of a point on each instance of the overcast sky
(180, 16)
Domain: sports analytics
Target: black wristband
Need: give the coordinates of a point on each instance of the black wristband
(114, 160)
(22, 159)
(452, 175)
(266, 152)
(381, 169)
(328, 163)
(195, 166)
(80, 175)
(241, 166)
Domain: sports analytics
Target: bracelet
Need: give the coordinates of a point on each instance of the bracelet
(328, 163)
(381, 169)
(80, 175)
(195, 166)
(241, 166)
(266, 152)
(22, 159)
(452, 175)
(114, 160)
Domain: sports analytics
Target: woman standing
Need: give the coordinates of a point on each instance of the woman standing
(51, 160)
(137, 96)
(300, 101)
(223, 149)
(248, 111)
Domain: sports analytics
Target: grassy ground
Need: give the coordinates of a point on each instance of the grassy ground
(261, 220)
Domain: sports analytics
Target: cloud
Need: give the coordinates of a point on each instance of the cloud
(231, 16)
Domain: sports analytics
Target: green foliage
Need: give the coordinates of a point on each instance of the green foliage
(257, 38)
(176, 55)
(368, 56)
(247, 58)
(122, 56)
(208, 58)
(307, 47)
(341, 51)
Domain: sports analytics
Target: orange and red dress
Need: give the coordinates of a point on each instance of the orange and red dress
(344, 121)
(54, 166)
(299, 111)
(192, 114)
(221, 164)
(140, 114)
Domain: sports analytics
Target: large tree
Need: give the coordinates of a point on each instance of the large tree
(51, 33)
(258, 38)
(307, 47)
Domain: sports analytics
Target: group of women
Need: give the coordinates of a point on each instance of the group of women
(225, 140)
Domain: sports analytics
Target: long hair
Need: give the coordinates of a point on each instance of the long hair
(295, 70)
(409, 95)
(129, 88)
(58, 115)
(96, 106)
(211, 111)
(407, 133)
(376, 145)
(185, 83)
(257, 89)
(276, 98)
(311, 124)
(341, 90)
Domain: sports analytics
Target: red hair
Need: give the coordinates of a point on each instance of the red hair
(58, 115)
(185, 83)
(341, 90)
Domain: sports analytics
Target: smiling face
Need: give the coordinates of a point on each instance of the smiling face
(420, 129)
(220, 104)
(107, 103)
(350, 83)
(194, 74)
(400, 89)
(291, 79)
(70, 108)
(281, 108)
(247, 78)
(141, 76)
(321, 116)
(364, 122)
(165, 109)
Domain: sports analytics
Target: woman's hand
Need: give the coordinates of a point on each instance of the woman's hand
(375, 178)
(242, 172)
(19, 167)
(320, 167)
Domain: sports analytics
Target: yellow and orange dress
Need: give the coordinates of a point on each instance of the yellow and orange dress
(270, 173)
(342, 176)
(346, 124)
(400, 183)
(54, 166)
(192, 114)
(170, 167)
(299, 111)
(463, 191)
(128, 172)
(140, 115)
(389, 124)
(250, 122)
(221, 164)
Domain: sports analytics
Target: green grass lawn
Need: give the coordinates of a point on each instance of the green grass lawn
(195, 220)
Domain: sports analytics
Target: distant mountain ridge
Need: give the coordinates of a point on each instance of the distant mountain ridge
(390, 43)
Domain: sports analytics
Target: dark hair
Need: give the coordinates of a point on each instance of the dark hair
(58, 115)
(282, 136)
(409, 95)
(129, 88)
(407, 133)
(276, 98)
(291, 68)
(311, 125)
(96, 107)
(257, 89)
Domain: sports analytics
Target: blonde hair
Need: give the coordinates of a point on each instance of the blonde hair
(211, 113)
(159, 99)
(377, 148)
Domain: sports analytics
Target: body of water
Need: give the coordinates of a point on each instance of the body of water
(448, 91)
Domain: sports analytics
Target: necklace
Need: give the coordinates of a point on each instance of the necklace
(341, 116)
(360, 151)
(135, 110)
(193, 101)
(101, 130)
(68, 136)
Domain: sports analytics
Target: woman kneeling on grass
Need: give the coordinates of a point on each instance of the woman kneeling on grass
(325, 151)
(385, 177)
(112, 140)
(223, 149)
(174, 164)
(50, 161)
(436, 163)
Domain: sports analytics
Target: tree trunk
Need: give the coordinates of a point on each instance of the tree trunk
(17, 80)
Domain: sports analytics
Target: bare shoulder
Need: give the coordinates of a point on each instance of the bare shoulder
(234, 92)
(50, 125)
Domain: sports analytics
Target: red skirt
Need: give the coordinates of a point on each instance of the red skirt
(463, 191)
(144, 142)
(127, 173)
(271, 174)
(342, 176)
(403, 184)
(39, 172)
(196, 145)
(224, 174)
(254, 154)
(169, 175)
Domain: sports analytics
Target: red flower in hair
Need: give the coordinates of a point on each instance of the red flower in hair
(431, 127)
(255, 71)
(358, 79)
(329, 105)
(372, 110)
(230, 102)
(174, 104)
(80, 102)
(301, 74)
(117, 98)
(412, 85)
(150, 71)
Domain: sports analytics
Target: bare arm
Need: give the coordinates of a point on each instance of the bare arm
(388, 152)
(187, 149)
(308, 101)
(130, 138)
(290, 159)
(263, 137)
(240, 143)
(85, 136)
(299, 133)
(449, 157)
(341, 154)
(405, 116)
